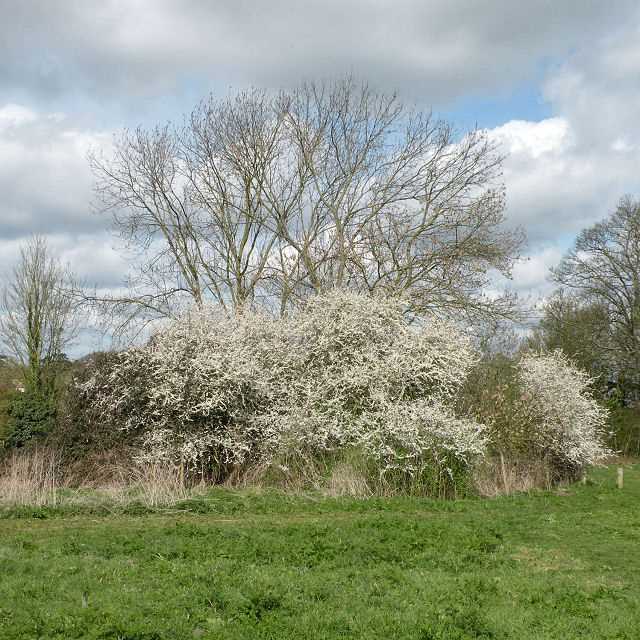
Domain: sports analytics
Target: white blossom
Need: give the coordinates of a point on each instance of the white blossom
(345, 370)
(570, 424)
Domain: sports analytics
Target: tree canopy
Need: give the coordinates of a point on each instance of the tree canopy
(265, 198)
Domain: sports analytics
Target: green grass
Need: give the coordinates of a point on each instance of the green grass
(245, 565)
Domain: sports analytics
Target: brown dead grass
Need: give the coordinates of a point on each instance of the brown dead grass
(31, 477)
(347, 480)
(500, 476)
(34, 477)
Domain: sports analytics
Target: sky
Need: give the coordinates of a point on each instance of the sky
(556, 83)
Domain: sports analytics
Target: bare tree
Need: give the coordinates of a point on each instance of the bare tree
(603, 266)
(264, 198)
(37, 311)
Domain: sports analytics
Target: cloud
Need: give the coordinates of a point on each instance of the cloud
(598, 89)
(44, 175)
(435, 51)
(15, 115)
(532, 273)
(92, 257)
(567, 172)
(550, 184)
(46, 189)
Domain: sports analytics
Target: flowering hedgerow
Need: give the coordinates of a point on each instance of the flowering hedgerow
(345, 370)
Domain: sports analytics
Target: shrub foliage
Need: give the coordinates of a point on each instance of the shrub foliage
(348, 375)
(538, 407)
(31, 414)
(345, 371)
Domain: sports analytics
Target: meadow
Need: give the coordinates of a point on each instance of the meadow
(265, 564)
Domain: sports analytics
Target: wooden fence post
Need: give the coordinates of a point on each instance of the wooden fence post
(620, 478)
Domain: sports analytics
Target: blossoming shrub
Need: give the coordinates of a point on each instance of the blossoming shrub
(344, 373)
(569, 424)
(347, 387)
(423, 446)
(191, 393)
(539, 412)
(358, 376)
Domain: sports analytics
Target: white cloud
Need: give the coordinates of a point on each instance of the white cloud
(567, 172)
(44, 174)
(598, 89)
(557, 183)
(13, 115)
(47, 189)
(533, 139)
(435, 49)
(531, 274)
(92, 257)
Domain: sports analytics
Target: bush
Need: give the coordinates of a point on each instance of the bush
(5, 401)
(345, 386)
(346, 371)
(570, 425)
(31, 414)
(9, 373)
(538, 408)
(82, 432)
(492, 393)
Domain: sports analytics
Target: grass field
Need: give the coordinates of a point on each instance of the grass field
(243, 565)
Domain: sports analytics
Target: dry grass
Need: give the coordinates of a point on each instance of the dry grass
(505, 477)
(31, 477)
(153, 485)
(347, 480)
(300, 473)
(291, 474)
(34, 477)
(100, 468)
(156, 485)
